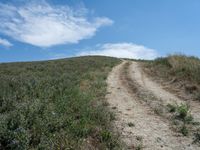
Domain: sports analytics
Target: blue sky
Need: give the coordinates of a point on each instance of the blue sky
(51, 29)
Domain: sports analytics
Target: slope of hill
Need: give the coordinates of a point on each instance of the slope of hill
(56, 104)
(69, 104)
(180, 71)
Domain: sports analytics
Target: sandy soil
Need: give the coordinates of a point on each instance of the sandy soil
(138, 125)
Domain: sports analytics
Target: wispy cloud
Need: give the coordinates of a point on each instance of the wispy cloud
(122, 50)
(44, 25)
(5, 42)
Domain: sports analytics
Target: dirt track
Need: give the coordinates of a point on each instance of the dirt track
(135, 120)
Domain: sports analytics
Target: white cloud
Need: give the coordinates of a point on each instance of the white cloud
(5, 42)
(44, 25)
(122, 50)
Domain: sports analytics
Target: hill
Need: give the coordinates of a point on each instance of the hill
(181, 72)
(56, 104)
(98, 102)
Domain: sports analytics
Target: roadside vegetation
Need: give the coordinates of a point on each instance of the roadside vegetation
(181, 70)
(181, 118)
(56, 104)
(181, 74)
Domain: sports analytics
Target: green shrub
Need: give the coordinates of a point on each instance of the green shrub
(182, 111)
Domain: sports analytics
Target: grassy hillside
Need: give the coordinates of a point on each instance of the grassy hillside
(55, 104)
(179, 69)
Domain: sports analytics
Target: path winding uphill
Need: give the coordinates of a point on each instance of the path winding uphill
(135, 120)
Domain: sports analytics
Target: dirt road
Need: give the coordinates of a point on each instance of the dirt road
(136, 121)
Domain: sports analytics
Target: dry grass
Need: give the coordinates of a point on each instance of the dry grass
(178, 69)
(180, 74)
